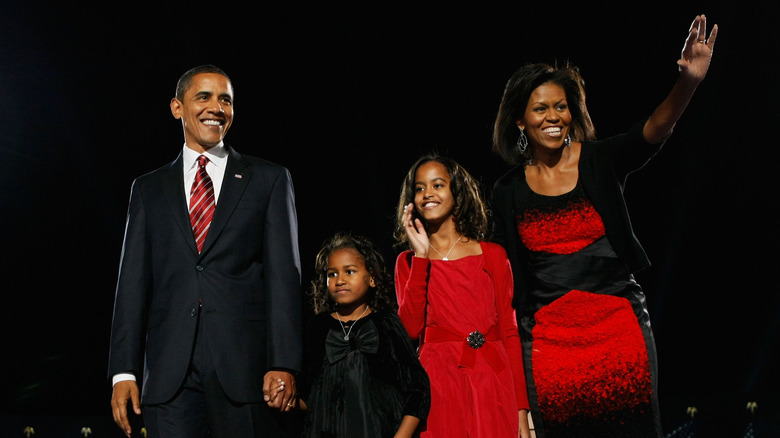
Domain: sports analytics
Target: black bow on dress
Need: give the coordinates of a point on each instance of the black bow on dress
(365, 339)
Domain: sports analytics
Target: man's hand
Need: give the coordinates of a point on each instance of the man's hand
(124, 391)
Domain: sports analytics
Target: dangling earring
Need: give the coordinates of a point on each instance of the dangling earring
(522, 143)
(567, 141)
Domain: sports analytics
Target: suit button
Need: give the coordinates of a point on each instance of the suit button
(199, 268)
(193, 312)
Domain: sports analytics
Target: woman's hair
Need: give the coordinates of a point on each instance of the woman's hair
(470, 212)
(518, 91)
(380, 297)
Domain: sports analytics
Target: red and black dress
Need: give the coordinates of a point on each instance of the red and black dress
(588, 347)
(589, 332)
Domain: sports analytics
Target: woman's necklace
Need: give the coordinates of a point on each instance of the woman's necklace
(444, 257)
(346, 333)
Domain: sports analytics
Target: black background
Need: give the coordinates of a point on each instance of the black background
(347, 98)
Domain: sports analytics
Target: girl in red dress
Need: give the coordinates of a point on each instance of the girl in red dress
(454, 293)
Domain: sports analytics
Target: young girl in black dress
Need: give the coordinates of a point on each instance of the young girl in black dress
(362, 375)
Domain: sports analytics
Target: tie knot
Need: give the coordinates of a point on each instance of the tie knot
(202, 160)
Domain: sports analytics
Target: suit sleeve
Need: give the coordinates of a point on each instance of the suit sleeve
(411, 288)
(282, 266)
(133, 286)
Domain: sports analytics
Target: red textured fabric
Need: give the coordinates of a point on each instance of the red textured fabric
(202, 203)
(561, 231)
(480, 400)
(589, 357)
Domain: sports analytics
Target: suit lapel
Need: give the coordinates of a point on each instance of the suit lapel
(173, 188)
(235, 181)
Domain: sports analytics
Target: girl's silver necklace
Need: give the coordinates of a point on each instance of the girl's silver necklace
(346, 333)
(444, 257)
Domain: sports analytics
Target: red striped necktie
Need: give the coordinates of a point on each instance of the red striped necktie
(201, 202)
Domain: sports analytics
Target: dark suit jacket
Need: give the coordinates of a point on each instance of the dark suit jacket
(248, 277)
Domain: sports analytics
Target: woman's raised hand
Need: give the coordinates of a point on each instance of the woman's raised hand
(697, 51)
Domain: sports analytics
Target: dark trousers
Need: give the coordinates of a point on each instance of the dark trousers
(202, 409)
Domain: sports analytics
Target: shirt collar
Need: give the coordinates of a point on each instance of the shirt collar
(216, 154)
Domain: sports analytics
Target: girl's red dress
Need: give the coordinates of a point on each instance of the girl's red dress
(475, 392)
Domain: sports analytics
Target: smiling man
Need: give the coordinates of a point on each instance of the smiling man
(207, 304)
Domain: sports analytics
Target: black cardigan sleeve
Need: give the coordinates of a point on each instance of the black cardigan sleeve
(604, 167)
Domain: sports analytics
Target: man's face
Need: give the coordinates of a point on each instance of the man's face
(206, 110)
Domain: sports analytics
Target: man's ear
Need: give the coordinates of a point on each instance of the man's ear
(176, 108)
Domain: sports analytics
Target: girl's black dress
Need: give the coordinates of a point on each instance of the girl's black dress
(364, 386)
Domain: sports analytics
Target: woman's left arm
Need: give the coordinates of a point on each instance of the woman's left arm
(693, 65)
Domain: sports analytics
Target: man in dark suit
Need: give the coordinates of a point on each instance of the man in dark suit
(213, 334)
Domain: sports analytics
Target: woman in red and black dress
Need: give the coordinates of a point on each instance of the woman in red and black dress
(588, 346)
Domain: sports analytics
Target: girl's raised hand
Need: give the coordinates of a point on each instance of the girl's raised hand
(416, 233)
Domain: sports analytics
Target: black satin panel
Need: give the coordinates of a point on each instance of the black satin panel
(596, 268)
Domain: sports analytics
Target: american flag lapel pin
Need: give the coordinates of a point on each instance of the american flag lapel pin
(238, 175)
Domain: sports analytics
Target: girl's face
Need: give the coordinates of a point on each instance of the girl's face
(348, 279)
(547, 118)
(433, 198)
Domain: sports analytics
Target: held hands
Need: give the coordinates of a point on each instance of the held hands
(697, 51)
(416, 233)
(279, 390)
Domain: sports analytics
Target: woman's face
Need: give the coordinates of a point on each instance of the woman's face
(547, 118)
